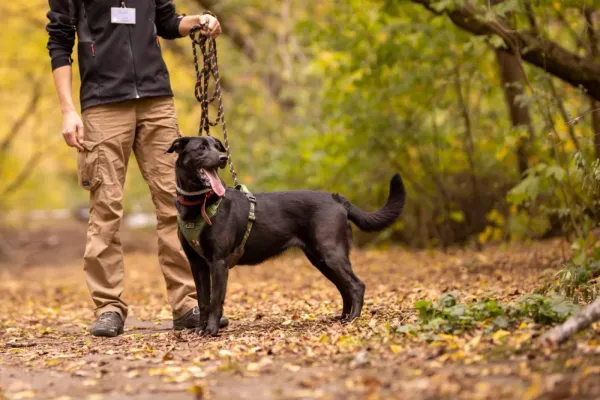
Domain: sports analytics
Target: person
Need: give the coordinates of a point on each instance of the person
(126, 104)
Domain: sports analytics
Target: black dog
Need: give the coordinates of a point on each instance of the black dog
(316, 222)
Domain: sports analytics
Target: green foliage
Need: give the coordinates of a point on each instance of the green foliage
(561, 196)
(447, 315)
(340, 95)
(579, 279)
(541, 309)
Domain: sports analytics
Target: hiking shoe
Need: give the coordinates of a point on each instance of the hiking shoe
(191, 320)
(109, 324)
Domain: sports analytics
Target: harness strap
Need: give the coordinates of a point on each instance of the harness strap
(204, 214)
(239, 251)
(192, 230)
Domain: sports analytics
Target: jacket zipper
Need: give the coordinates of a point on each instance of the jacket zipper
(93, 49)
(135, 89)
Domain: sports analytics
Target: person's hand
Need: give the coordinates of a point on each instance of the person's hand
(72, 130)
(214, 27)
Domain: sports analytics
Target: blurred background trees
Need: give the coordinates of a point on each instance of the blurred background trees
(486, 108)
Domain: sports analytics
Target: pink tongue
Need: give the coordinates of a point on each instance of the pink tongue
(215, 182)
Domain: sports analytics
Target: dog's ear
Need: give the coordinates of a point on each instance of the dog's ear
(219, 145)
(178, 144)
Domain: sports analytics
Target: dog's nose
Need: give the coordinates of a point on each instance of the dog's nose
(223, 157)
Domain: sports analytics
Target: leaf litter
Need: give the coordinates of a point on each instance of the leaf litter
(434, 325)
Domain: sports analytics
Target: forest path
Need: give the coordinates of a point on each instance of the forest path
(283, 340)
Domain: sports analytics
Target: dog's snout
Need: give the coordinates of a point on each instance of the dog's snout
(223, 157)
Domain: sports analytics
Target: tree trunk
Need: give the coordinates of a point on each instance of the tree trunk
(469, 143)
(512, 78)
(576, 323)
(594, 104)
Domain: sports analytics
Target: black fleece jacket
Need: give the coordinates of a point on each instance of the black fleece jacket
(116, 62)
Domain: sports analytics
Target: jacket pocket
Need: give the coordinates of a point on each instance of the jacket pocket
(88, 164)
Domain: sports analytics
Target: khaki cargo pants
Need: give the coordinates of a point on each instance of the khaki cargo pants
(146, 126)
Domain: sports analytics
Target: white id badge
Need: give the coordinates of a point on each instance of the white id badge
(122, 15)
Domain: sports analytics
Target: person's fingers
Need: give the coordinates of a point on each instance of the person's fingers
(72, 140)
(212, 22)
(205, 21)
(69, 138)
(77, 140)
(216, 31)
(80, 135)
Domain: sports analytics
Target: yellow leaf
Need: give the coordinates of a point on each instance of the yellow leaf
(133, 374)
(54, 361)
(446, 337)
(396, 348)
(523, 325)
(27, 394)
(199, 389)
(591, 370)
(498, 336)
(473, 343)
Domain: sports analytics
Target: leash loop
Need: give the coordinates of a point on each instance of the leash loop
(210, 69)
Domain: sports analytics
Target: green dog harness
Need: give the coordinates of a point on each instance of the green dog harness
(191, 230)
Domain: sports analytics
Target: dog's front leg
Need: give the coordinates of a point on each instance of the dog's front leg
(201, 275)
(219, 273)
(202, 272)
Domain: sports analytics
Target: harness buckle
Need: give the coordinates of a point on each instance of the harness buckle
(251, 197)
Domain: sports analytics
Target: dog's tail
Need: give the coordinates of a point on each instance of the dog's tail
(378, 220)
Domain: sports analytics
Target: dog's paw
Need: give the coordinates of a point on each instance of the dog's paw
(210, 331)
(347, 319)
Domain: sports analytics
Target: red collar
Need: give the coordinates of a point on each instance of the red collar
(183, 202)
(202, 201)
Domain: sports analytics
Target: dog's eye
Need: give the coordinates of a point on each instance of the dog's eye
(202, 147)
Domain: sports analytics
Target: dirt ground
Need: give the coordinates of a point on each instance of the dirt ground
(33, 244)
(284, 342)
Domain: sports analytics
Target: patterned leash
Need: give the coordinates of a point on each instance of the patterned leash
(208, 48)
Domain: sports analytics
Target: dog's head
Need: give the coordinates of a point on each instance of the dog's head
(200, 157)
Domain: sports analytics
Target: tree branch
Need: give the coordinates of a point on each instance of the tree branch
(29, 111)
(531, 17)
(576, 323)
(536, 50)
(563, 113)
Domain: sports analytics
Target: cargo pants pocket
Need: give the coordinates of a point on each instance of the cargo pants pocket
(88, 164)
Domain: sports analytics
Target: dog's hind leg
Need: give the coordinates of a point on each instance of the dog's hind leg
(219, 273)
(339, 265)
(326, 271)
(331, 240)
(357, 288)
